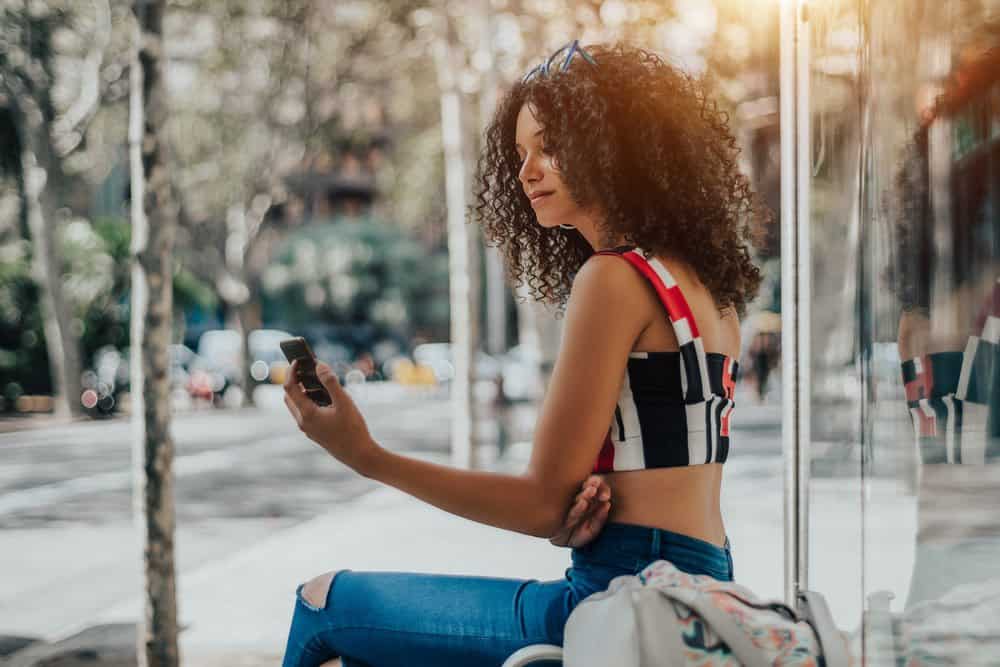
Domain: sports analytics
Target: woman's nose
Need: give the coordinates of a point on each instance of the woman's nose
(530, 171)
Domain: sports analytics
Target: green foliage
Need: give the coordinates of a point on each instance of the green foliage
(347, 271)
(97, 278)
(23, 360)
(191, 292)
(10, 144)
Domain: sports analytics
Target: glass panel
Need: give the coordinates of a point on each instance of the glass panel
(835, 512)
(745, 66)
(929, 324)
(995, 111)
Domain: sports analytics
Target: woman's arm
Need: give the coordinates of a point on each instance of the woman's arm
(601, 325)
(513, 502)
(603, 320)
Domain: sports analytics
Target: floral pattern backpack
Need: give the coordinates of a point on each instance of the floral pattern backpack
(663, 617)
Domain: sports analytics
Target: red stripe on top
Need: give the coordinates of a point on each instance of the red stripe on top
(679, 309)
(724, 424)
(606, 458)
(728, 382)
(671, 297)
(920, 388)
(915, 389)
(928, 375)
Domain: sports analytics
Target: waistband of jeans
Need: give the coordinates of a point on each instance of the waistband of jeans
(647, 539)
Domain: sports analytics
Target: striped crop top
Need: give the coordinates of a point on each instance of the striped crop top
(674, 408)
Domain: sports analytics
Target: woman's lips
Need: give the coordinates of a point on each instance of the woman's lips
(537, 198)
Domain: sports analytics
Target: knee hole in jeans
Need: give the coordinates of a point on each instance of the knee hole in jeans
(316, 591)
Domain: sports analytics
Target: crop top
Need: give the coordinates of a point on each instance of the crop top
(952, 397)
(674, 408)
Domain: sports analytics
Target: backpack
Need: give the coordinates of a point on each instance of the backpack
(664, 617)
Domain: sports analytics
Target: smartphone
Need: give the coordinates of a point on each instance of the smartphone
(297, 349)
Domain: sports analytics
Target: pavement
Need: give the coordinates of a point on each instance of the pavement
(235, 610)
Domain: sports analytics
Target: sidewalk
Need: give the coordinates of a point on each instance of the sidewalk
(242, 605)
(11, 423)
(235, 611)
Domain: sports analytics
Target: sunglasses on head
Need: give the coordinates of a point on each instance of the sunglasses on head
(571, 49)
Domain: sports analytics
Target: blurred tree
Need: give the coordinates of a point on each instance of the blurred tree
(286, 89)
(48, 48)
(272, 95)
(344, 272)
(96, 254)
(22, 348)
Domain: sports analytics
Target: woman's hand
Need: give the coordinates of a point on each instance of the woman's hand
(587, 514)
(339, 428)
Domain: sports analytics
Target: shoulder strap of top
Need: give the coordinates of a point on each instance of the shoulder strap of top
(694, 364)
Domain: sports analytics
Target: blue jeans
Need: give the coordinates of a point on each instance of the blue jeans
(382, 619)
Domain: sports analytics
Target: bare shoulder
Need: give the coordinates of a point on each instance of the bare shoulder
(607, 293)
(604, 266)
(605, 277)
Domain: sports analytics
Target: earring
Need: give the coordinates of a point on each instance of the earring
(566, 227)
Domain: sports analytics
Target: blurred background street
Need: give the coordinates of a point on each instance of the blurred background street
(315, 166)
(246, 477)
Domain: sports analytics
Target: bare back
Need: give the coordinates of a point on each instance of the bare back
(688, 497)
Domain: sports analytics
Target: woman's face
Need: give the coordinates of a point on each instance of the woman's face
(540, 177)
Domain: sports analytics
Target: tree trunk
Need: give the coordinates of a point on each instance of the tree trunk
(42, 181)
(154, 219)
(248, 316)
(248, 250)
(27, 84)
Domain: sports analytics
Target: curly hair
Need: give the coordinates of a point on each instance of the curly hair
(644, 142)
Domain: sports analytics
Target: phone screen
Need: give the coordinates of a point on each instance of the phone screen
(297, 349)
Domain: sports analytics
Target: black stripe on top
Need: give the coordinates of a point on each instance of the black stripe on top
(661, 411)
(695, 392)
(719, 409)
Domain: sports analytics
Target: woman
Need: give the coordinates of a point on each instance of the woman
(593, 153)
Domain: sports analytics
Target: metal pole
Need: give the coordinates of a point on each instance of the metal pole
(459, 279)
(496, 287)
(796, 283)
(803, 225)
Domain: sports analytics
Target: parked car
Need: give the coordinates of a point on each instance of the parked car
(108, 381)
(220, 349)
(105, 382)
(439, 357)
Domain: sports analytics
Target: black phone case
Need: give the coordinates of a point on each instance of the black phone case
(297, 349)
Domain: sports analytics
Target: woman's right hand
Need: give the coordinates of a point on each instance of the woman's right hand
(587, 515)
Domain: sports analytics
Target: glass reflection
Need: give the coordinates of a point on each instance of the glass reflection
(930, 119)
(836, 550)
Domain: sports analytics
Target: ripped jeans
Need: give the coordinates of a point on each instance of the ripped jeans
(384, 619)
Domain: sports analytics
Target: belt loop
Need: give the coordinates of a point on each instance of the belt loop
(655, 547)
